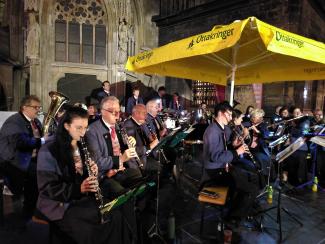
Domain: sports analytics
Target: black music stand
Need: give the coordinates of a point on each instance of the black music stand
(272, 145)
(314, 159)
(278, 184)
(154, 231)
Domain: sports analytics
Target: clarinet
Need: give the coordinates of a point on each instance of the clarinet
(248, 152)
(98, 193)
(152, 133)
(126, 141)
(154, 137)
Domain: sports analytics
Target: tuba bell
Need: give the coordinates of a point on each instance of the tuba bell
(57, 100)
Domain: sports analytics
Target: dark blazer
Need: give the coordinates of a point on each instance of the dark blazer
(215, 153)
(17, 141)
(100, 144)
(58, 185)
(262, 137)
(150, 121)
(135, 130)
(102, 94)
(178, 108)
(131, 103)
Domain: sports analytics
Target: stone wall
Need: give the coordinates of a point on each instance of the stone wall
(305, 17)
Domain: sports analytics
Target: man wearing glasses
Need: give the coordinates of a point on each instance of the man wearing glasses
(110, 153)
(20, 139)
(218, 167)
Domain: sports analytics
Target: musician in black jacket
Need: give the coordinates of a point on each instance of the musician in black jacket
(155, 124)
(218, 167)
(134, 126)
(20, 140)
(259, 133)
(66, 191)
(296, 164)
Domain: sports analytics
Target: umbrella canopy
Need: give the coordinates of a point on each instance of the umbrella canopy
(248, 51)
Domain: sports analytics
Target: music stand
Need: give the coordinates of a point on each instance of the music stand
(272, 145)
(321, 142)
(154, 231)
(278, 184)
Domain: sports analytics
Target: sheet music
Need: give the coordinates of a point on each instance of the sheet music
(290, 150)
(189, 130)
(318, 140)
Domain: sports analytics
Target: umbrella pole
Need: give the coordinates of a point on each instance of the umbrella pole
(233, 72)
(232, 86)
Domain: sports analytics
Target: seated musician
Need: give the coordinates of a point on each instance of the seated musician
(153, 122)
(203, 115)
(318, 151)
(295, 166)
(239, 136)
(176, 103)
(259, 134)
(133, 127)
(284, 113)
(66, 191)
(276, 117)
(110, 153)
(218, 168)
(318, 118)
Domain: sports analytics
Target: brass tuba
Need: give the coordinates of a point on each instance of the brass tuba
(57, 100)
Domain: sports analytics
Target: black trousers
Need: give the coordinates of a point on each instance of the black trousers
(81, 222)
(120, 183)
(22, 182)
(297, 167)
(243, 186)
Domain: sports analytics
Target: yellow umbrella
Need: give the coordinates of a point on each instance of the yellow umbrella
(251, 50)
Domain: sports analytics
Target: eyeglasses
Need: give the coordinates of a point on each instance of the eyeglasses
(115, 113)
(34, 107)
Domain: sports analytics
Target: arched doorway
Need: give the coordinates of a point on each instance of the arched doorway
(78, 87)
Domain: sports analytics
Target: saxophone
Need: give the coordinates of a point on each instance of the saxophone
(98, 193)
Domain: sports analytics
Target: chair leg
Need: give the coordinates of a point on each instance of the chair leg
(1, 202)
(202, 219)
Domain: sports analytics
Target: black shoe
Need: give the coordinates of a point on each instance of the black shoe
(232, 223)
(250, 223)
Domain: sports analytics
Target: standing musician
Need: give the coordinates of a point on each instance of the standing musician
(218, 168)
(259, 133)
(66, 189)
(133, 126)
(110, 153)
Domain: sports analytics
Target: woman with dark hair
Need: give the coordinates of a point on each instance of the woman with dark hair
(247, 115)
(284, 113)
(240, 135)
(67, 192)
